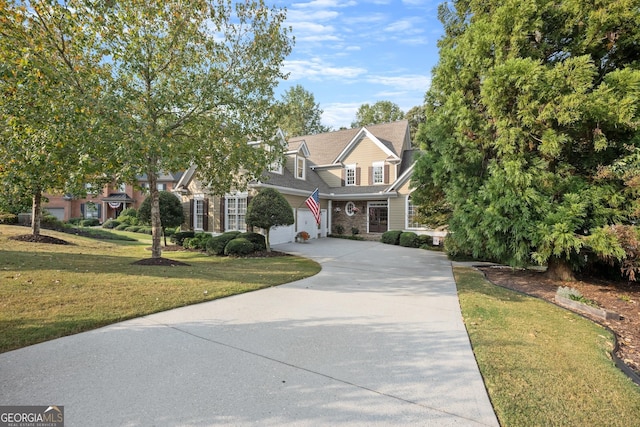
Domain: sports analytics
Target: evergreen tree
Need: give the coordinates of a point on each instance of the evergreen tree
(269, 209)
(532, 105)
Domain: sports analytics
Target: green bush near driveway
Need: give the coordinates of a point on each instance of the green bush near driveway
(391, 237)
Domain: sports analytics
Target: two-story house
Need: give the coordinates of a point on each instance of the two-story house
(363, 176)
(107, 202)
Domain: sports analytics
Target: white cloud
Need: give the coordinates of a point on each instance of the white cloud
(409, 82)
(316, 69)
(337, 115)
(324, 4)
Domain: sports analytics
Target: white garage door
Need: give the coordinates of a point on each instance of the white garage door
(57, 212)
(282, 234)
(306, 222)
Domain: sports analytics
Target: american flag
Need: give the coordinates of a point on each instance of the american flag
(313, 203)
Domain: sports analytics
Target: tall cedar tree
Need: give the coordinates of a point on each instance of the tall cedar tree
(532, 107)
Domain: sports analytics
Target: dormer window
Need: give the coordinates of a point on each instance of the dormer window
(300, 167)
(276, 166)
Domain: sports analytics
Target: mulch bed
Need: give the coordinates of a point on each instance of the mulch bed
(165, 262)
(40, 238)
(621, 297)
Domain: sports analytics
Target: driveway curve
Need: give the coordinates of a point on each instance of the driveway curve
(375, 339)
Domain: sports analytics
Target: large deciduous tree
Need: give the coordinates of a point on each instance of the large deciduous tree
(195, 82)
(533, 109)
(380, 112)
(171, 212)
(301, 115)
(50, 102)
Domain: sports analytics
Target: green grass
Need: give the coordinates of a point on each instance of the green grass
(49, 291)
(543, 365)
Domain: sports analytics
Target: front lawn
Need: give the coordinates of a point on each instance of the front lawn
(543, 365)
(48, 291)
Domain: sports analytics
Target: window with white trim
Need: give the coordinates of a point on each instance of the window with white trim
(236, 211)
(198, 214)
(378, 173)
(413, 219)
(350, 174)
(300, 166)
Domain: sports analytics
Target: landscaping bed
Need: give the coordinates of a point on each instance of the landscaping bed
(621, 297)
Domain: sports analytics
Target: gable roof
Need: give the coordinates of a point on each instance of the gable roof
(326, 148)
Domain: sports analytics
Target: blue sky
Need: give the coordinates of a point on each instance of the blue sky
(352, 52)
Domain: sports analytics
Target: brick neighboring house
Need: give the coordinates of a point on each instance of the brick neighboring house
(109, 202)
(363, 176)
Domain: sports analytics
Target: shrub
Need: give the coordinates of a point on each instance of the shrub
(129, 212)
(75, 221)
(216, 245)
(127, 219)
(339, 228)
(425, 240)
(170, 231)
(239, 247)
(391, 237)
(409, 239)
(257, 239)
(146, 230)
(8, 218)
(199, 241)
(123, 226)
(90, 222)
(178, 238)
(355, 230)
(132, 228)
(111, 224)
(51, 222)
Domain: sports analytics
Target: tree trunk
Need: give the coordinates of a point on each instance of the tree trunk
(164, 236)
(266, 240)
(36, 213)
(559, 269)
(156, 226)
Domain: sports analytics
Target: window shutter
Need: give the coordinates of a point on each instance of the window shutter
(358, 173)
(82, 210)
(222, 212)
(99, 210)
(192, 214)
(386, 174)
(370, 175)
(205, 213)
(343, 177)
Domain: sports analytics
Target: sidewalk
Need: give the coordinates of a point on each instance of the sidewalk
(375, 339)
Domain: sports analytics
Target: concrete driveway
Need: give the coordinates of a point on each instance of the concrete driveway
(375, 339)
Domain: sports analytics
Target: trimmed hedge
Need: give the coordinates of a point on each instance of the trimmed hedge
(198, 241)
(425, 241)
(391, 237)
(111, 224)
(216, 245)
(409, 239)
(239, 247)
(90, 222)
(257, 239)
(178, 238)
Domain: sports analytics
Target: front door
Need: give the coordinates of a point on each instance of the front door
(378, 218)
